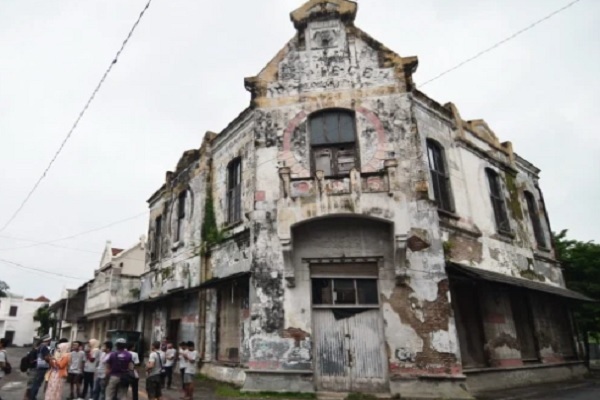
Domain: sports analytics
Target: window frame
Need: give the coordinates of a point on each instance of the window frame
(155, 254)
(440, 177)
(535, 220)
(334, 147)
(181, 199)
(11, 313)
(498, 202)
(332, 288)
(234, 191)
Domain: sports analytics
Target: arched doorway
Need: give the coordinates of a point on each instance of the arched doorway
(345, 259)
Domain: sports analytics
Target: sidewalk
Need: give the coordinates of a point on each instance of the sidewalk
(549, 390)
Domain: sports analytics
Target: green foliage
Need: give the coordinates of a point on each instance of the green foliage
(3, 288)
(44, 316)
(224, 390)
(211, 234)
(447, 247)
(581, 269)
(135, 293)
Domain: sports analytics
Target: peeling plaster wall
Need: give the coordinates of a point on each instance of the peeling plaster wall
(389, 184)
(471, 235)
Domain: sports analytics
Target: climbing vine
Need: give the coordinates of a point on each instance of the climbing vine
(211, 234)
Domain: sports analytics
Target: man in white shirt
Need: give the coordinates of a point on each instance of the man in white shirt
(99, 390)
(182, 362)
(75, 375)
(134, 381)
(154, 366)
(191, 357)
(170, 357)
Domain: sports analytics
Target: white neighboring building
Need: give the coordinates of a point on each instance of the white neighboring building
(16, 318)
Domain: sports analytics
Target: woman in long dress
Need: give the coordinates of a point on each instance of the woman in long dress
(58, 372)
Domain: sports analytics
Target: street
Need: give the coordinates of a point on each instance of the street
(12, 387)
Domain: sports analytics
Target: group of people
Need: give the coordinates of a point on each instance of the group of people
(105, 373)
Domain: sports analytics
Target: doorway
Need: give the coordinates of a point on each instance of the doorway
(348, 328)
(9, 336)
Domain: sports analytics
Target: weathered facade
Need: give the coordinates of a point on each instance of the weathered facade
(116, 282)
(348, 233)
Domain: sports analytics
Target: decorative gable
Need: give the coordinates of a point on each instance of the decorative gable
(316, 10)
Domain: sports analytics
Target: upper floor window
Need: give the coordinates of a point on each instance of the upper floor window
(234, 191)
(497, 199)
(534, 216)
(439, 176)
(12, 312)
(155, 254)
(180, 215)
(333, 142)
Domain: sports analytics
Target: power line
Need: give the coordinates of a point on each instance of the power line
(18, 265)
(500, 43)
(50, 242)
(79, 117)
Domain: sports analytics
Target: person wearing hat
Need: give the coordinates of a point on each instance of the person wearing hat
(119, 369)
(42, 366)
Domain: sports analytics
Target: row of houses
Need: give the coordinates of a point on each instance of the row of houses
(346, 232)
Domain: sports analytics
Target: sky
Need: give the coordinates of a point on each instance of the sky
(182, 75)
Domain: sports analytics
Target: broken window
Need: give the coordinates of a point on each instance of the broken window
(180, 215)
(439, 176)
(534, 216)
(155, 254)
(233, 306)
(497, 199)
(234, 191)
(333, 142)
(329, 291)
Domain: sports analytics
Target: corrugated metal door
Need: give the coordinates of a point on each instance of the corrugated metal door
(347, 325)
(349, 355)
(332, 369)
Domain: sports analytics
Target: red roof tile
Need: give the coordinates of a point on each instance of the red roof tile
(116, 251)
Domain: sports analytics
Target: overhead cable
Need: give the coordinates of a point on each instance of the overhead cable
(79, 117)
(500, 43)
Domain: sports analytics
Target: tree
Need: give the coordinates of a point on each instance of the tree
(581, 268)
(3, 289)
(44, 316)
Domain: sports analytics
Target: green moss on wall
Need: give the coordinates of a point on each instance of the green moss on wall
(514, 199)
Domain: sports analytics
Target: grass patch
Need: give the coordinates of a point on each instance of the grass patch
(223, 390)
(360, 396)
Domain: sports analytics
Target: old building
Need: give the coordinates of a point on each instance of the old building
(16, 318)
(68, 313)
(116, 282)
(348, 233)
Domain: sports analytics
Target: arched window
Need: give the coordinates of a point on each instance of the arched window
(333, 142)
(534, 216)
(439, 175)
(497, 199)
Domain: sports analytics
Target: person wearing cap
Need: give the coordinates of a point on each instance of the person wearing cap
(119, 369)
(42, 366)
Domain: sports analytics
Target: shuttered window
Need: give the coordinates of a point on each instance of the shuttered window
(497, 200)
(439, 176)
(333, 142)
(234, 191)
(534, 217)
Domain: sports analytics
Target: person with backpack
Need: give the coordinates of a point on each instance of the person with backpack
(5, 367)
(42, 366)
(28, 366)
(155, 370)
